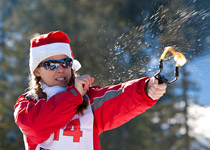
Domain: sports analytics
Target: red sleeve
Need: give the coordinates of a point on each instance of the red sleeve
(117, 104)
(40, 119)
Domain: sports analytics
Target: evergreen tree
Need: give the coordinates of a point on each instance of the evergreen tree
(114, 41)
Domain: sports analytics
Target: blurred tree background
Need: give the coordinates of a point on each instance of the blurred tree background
(115, 41)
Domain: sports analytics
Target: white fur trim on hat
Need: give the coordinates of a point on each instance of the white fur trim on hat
(38, 54)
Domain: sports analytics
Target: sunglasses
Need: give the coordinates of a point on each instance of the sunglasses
(54, 64)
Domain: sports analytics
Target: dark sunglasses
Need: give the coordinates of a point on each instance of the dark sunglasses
(54, 64)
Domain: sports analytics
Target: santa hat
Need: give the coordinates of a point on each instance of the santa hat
(50, 44)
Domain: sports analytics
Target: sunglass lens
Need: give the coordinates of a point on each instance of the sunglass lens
(67, 63)
(46, 65)
(54, 64)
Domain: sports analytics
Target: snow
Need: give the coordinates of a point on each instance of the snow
(199, 122)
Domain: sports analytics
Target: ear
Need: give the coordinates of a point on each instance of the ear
(36, 72)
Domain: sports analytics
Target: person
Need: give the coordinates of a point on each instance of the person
(63, 111)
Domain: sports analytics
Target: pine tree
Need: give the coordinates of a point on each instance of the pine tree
(114, 41)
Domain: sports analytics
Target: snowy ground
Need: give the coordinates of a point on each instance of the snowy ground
(199, 122)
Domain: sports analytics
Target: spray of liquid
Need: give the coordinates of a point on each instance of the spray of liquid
(136, 52)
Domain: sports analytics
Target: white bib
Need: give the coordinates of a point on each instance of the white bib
(76, 135)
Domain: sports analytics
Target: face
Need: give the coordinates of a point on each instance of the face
(57, 77)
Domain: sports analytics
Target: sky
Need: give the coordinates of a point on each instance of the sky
(200, 72)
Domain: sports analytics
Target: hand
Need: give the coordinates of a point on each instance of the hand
(155, 90)
(82, 83)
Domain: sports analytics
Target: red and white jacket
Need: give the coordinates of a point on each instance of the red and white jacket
(54, 125)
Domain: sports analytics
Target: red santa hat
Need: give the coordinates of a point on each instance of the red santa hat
(50, 44)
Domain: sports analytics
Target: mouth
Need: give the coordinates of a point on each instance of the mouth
(61, 79)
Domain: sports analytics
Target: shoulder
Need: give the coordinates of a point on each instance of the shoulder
(94, 89)
(28, 96)
(92, 92)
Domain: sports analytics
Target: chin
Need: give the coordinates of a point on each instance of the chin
(65, 85)
(62, 83)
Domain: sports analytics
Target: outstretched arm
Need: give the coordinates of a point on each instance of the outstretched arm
(117, 104)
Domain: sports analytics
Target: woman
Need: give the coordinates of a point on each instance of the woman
(62, 111)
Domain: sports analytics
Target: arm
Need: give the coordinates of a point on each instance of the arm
(40, 119)
(117, 104)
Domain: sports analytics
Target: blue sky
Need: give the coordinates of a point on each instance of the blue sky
(200, 72)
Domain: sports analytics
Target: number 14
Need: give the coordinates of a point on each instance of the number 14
(70, 131)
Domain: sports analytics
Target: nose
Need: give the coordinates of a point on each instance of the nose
(60, 68)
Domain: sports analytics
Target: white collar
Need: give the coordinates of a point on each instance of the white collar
(50, 91)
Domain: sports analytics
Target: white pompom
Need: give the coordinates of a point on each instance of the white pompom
(76, 65)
